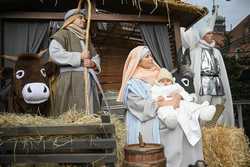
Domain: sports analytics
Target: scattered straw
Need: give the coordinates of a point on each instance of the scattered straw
(68, 118)
(226, 147)
(75, 117)
(13, 120)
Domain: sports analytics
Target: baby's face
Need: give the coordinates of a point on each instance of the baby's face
(165, 81)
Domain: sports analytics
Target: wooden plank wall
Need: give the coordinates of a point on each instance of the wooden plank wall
(115, 51)
(112, 62)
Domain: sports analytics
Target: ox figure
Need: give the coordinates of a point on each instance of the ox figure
(183, 74)
(29, 91)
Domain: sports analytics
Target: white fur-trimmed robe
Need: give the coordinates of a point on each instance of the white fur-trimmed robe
(195, 55)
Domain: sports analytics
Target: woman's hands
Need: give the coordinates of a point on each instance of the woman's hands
(86, 58)
(174, 102)
(160, 101)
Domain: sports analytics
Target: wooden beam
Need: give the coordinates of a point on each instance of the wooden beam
(57, 158)
(58, 146)
(104, 128)
(95, 17)
(33, 15)
(130, 18)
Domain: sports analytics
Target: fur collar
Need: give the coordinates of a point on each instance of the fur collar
(204, 44)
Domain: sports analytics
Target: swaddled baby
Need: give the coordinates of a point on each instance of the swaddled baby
(188, 114)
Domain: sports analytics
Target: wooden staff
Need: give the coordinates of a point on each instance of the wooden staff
(86, 74)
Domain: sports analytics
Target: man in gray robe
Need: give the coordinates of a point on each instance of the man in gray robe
(67, 49)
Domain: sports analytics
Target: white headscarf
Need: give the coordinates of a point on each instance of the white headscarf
(189, 38)
(206, 24)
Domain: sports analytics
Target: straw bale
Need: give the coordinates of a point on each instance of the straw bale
(120, 132)
(226, 147)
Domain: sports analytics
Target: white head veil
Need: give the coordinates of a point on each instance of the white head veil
(189, 38)
(206, 24)
(193, 35)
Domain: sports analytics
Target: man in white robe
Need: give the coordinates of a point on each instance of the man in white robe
(210, 75)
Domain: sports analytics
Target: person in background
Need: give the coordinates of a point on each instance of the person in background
(68, 50)
(210, 76)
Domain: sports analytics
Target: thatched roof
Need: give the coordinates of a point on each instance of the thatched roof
(182, 10)
(186, 14)
(178, 5)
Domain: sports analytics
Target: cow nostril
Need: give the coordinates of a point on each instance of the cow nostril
(44, 90)
(29, 90)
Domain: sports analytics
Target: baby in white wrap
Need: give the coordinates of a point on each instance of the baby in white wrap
(188, 114)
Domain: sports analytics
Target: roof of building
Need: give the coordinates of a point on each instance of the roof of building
(187, 14)
(245, 20)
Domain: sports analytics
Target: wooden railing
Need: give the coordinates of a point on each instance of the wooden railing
(239, 104)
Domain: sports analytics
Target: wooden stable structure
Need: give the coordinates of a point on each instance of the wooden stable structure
(114, 33)
(121, 19)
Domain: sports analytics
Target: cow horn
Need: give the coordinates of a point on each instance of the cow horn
(11, 58)
(41, 53)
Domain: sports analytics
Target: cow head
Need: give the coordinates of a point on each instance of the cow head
(30, 80)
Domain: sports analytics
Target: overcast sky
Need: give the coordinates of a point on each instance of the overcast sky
(233, 10)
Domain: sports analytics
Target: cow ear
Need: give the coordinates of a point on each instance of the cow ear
(42, 52)
(52, 69)
(11, 58)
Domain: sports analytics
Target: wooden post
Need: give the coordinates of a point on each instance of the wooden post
(1, 37)
(1, 49)
(239, 104)
(175, 41)
(86, 74)
(177, 35)
(240, 118)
